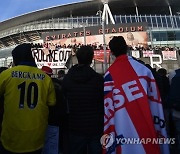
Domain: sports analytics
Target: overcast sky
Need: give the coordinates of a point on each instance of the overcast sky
(13, 8)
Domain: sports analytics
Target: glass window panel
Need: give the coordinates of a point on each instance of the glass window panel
(169, 21)
(128, 19)
(154, 21)
(80, 20)
(123, 19)
(69, 20)
(178, 21)
(75, 20)
(163, 36)
(95, 20)
(149, 21)
(164, 21)
(118, 19)
(140, 20)
(65, 20)
(133, 18)
(84, 19)
(155, 36)
(159, 21)
(159, 36)
(177, 35)
(171, 36)
(91, 21)
(143, 19)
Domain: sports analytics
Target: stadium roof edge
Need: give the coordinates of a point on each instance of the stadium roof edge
(23, 16)
(41, 10)
(80, 9)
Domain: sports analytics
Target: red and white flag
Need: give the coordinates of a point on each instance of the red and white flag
(133, 110)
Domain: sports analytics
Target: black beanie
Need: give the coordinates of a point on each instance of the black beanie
(22, 54)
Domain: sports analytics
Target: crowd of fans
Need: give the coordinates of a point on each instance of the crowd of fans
(156, 49)
(75, 46)
(76, 102)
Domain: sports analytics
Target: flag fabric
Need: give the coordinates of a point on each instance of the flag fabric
(133, 109)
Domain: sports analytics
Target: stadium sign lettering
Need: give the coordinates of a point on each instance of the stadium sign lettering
(69, 35)
(97, 30)
(122, 29)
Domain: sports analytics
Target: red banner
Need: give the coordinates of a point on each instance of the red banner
(99, 55)
(148, 53)
(169, 55)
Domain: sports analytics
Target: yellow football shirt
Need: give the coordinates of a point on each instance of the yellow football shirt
(28, 92)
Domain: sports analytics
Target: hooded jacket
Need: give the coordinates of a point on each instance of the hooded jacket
(83, 90)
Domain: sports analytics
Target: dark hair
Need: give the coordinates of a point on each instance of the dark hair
(61, 72)
(118, 46)
(162, 72)
(85, 55)
(22, 53)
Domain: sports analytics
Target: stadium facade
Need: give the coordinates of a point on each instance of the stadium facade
(161, 16)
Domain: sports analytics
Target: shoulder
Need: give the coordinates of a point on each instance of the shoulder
(139, 68)
(177, 72)
(6, 74)
(56, 81)
(94, 73)
(172, 74)
(57, 84)
(99, 77)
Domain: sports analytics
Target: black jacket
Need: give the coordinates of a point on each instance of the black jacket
(83, 90)
(174, 94)
(57, 112)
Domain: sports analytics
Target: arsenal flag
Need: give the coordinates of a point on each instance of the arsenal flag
(134, 120)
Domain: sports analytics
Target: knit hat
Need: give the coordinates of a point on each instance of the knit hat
(22, 54)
